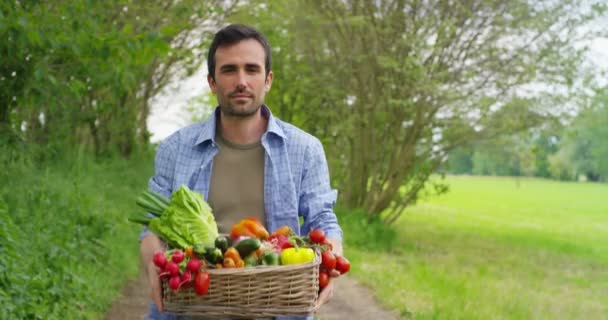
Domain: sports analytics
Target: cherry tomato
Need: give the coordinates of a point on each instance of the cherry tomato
(328, 260)
(323, 279)
(342, 265)
(201, 283)
(317, 236)
(328, 244)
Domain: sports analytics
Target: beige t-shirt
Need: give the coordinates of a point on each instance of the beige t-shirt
(236, 189)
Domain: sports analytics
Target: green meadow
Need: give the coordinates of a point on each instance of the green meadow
(492, 248)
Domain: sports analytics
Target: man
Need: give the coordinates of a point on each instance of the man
(244, 161)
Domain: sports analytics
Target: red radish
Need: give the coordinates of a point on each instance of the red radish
(186, 279)
(172, 268)
(193, 265)
(178, 256)
(174, 283)
(201, 283)
(160, 260)
(163, 274)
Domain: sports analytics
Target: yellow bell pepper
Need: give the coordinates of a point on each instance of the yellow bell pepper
(297, 256)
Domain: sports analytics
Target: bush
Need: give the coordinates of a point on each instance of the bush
(363, 233)
(66, 247)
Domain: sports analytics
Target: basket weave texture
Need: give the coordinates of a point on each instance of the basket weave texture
(253, 292)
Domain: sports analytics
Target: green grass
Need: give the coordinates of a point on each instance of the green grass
(495, 248)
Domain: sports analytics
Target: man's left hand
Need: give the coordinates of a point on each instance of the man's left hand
(327, 293)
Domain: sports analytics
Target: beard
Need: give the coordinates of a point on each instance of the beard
(235, 111)
(240, 110)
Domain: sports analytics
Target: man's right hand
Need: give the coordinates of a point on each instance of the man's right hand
(149, 245)
(155, 287)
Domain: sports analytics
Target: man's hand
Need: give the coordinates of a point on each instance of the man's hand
(148, 246)
(327, 293)
(155, 287)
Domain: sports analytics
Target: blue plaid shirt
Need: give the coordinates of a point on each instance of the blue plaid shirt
(296, 176)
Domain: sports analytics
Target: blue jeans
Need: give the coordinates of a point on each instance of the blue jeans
(154, 314)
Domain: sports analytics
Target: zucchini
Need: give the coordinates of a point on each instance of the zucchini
(247, 246)
(223, 243)
(213, 255)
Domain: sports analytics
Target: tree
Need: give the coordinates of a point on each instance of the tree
(82, 72)
(394, 86)
(585, 145)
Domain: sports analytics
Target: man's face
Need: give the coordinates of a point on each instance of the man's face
(240, 82)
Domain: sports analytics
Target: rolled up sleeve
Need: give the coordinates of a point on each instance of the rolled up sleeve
(317, 198)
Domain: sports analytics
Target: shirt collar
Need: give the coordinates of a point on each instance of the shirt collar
(207, 132)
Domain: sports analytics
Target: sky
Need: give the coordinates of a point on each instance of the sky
(168, 109)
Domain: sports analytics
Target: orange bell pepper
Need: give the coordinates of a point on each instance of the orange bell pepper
(249, 227)
(284, 230)
(232, 259)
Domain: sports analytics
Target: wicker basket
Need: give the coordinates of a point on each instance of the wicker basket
(253, 292)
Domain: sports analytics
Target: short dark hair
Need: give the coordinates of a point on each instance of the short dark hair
(232, 34)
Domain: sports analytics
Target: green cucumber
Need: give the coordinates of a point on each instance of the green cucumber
(223, 243)
(247, 246)
(213, 255)
(270, 259)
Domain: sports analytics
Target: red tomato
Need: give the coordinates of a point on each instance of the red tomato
(342, 265)
(317, 236)
(328, 260)
(323, 279)
(201, 283)
(327, 243)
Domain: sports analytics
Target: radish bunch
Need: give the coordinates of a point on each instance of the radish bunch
(181, 270)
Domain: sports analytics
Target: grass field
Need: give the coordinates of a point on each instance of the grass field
(497, 248)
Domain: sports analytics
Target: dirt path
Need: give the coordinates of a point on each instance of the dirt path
(351, 301)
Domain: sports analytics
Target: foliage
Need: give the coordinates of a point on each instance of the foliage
(82, 72)
(521, 154)
(585, 145)
(391, 87)
(66, 247)
(495, 248)
(565, 150)
(361, 233)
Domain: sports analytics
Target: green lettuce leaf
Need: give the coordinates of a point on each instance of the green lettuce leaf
(188, 220)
